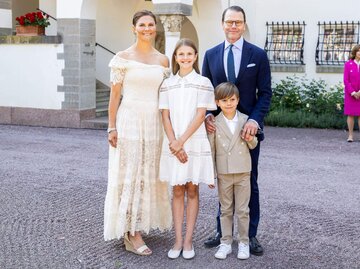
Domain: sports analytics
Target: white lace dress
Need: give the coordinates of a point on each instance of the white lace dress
(136, 200)
(182, 96)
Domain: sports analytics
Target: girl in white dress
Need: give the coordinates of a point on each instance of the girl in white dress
(186, 155)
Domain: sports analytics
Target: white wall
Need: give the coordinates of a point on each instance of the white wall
(49, 6)
(206, 18)
(5, 18)
(261, 11)
(32, 80)
(68, 8)
(114, 30)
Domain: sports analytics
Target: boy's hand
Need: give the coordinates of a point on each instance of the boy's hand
(210, 124)
(249, 138)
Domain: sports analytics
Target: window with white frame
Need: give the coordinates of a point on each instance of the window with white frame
(285, 42)
(335, 41)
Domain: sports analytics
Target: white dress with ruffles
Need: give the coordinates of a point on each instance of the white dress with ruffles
(182, 96)
(136, 200)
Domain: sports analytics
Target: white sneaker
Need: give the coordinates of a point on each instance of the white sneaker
(223, 251)
(243, 251)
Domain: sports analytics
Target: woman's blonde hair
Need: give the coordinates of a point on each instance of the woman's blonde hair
(189, 43)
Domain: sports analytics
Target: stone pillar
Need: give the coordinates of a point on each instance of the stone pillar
(5, 17)
(79, 72)
(76, 25)
(172, 27)
(172, 13)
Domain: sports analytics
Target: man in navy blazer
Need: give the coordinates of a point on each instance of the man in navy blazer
(247, 66)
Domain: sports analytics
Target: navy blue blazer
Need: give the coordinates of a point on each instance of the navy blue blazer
(253, 80)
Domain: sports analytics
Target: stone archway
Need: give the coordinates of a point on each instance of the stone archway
(188, 30)
(160, 36)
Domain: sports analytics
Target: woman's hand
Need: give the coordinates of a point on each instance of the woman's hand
(182, 156)
(175, 146)
(210, 124)
(357, 95)
(112, 138)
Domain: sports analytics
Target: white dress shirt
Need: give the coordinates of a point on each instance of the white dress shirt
(232, 123)
(237, 51)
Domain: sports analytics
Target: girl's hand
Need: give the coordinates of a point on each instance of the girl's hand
(112, 138)
(211, 186)
(175, 146)
(182, 156)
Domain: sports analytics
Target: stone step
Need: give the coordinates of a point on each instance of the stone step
(101, 112)
(102, 104)
(100, 90)
(100, 122)
(102, 98)
(100, 85)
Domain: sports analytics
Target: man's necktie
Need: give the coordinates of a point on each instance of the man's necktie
(231, 65)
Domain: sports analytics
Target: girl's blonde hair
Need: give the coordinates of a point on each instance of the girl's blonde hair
(189, 43)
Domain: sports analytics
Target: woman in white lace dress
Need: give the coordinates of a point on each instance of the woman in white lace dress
(136, 200)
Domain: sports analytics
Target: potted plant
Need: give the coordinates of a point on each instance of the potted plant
(32, 24)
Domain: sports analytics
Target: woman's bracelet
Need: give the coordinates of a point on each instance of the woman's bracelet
(109, 130)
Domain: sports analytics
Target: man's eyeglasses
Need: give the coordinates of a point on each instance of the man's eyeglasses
(231, 23)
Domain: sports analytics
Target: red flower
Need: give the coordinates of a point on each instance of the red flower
(34, 18)
(39, 15)
(22, 20)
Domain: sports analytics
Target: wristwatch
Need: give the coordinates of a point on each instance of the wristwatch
(109, 130)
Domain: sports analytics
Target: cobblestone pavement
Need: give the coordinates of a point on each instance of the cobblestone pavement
(53, 184)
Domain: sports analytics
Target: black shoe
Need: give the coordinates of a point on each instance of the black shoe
(213, 241)
(255, 247)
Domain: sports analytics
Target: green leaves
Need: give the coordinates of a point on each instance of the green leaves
(299, 102)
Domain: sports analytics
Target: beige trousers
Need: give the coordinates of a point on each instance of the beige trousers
(234, 190)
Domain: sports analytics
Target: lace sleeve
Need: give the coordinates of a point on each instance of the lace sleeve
(167, 72)
(117, 71)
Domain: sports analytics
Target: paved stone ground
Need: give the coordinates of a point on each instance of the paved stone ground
(53, 184)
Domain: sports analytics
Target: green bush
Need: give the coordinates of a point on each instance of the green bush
(299, 102)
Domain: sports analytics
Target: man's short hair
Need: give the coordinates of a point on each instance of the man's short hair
(233, 8)
(226, 90)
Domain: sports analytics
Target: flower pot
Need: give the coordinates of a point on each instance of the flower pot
(30, 30)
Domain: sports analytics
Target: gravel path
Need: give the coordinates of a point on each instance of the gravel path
(53, 184)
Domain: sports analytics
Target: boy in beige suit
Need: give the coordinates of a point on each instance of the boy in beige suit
(233, 166)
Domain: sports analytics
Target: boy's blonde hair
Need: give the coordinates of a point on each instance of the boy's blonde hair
(226, 90)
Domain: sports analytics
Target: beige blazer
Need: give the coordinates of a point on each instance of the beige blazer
(230, 152)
